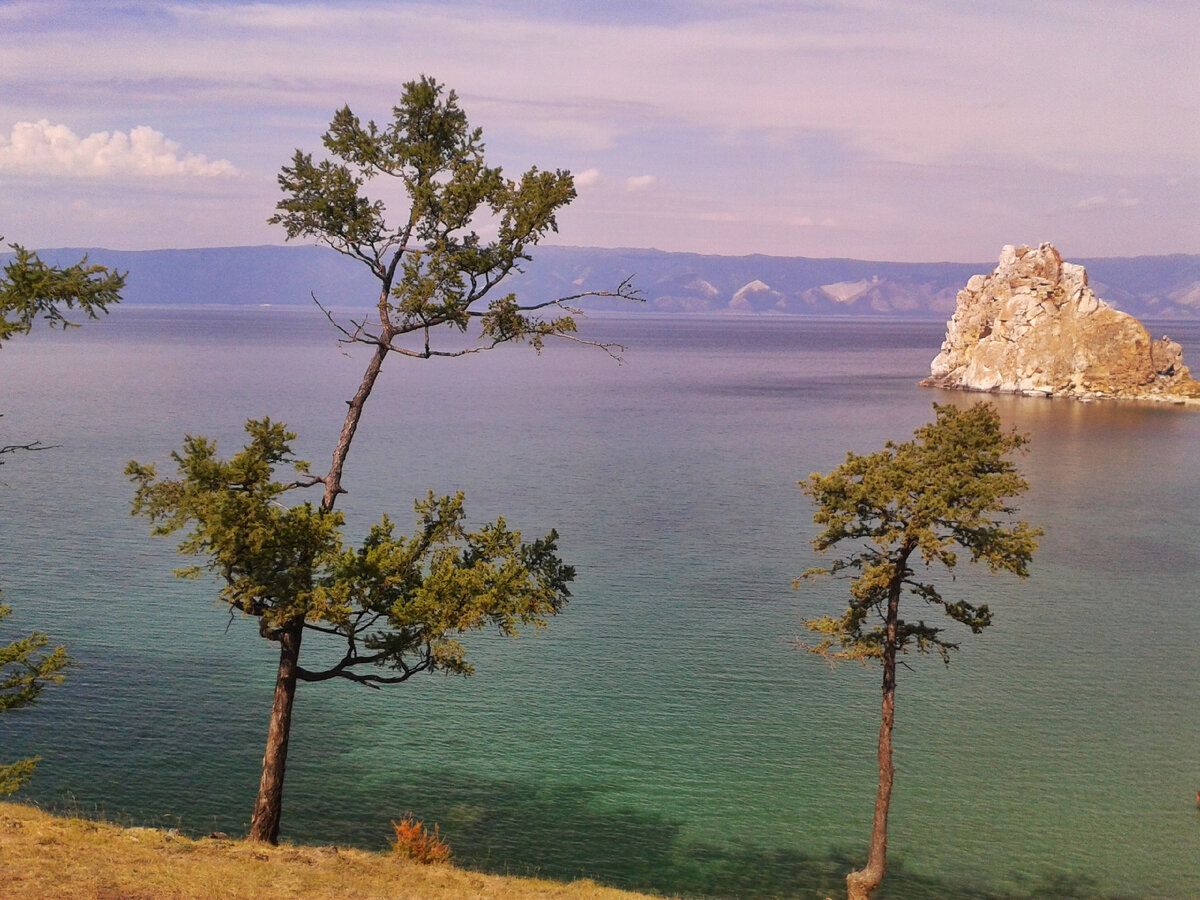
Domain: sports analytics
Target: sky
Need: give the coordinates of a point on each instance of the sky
(911, 130)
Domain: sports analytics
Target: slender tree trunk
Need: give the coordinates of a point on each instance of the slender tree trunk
(268, 807)
(861, 883)
(264, 824)
(333, 481)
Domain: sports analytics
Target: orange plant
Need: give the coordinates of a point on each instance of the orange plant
(418, 843)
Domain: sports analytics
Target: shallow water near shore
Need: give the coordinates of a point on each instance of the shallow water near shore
(664, 733)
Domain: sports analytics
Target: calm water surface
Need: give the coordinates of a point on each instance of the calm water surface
(664, 733)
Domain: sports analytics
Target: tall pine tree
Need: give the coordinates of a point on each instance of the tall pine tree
(900, 514)
(394, 603)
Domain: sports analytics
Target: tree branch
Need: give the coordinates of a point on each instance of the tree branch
(35, 445)
(624, 291)
(369, 679)
(329, 315)
(306, 482)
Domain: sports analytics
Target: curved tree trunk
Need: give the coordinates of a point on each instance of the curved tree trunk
(333, 481)
(264, 824)
(861, 883)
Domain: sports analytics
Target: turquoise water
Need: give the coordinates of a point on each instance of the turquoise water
(664, 733)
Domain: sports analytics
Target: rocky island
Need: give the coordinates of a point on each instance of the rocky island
(1034, 327)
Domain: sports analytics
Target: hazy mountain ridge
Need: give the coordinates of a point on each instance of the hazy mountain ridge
(1146, 287)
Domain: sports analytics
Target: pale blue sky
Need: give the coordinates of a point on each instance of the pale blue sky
(923, 130)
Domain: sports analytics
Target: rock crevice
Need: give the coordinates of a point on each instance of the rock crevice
(1034, 327)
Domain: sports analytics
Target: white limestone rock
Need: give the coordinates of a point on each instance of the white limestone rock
(1034, 327)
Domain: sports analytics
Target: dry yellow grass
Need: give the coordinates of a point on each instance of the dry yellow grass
(43, 857)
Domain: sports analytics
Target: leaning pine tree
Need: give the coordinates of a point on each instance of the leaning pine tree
(394, 604)
(900, 513)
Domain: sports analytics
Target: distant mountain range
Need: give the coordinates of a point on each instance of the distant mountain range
(1150, 287)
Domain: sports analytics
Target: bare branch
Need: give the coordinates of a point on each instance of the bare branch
(306, 482)
(624, 291)
(35, 445)
(334, 630)
(329, 316)
(612, 348)
(371, 679)
(429, 353)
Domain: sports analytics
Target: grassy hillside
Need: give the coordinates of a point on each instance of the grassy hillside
(43, 856)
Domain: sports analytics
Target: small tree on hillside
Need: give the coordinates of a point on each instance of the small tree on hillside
(24, 670)
(31, 290)
(394, 604)
(900, 513)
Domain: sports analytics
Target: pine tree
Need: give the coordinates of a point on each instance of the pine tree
(900, 513)
(395, 604)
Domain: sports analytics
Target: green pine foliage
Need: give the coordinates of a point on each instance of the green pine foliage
(31, 289)
(434, 267)
(25, 668)
(395, 605)
(909, 509)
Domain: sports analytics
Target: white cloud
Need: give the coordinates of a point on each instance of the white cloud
(640, 182)
(1123, 200)
(40, 148)
(587, 178)
(877, 113)
(718, 217)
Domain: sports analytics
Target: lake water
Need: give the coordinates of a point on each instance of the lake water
(664, 733)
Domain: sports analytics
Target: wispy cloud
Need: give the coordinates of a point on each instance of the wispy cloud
(883, 117)
(42, 148)
(1123, 200)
